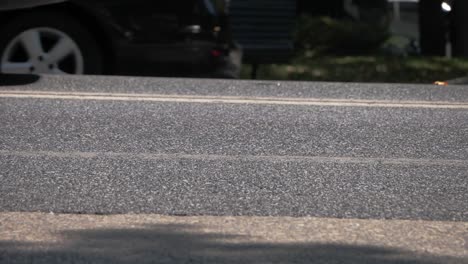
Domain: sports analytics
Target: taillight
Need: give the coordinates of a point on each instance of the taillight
(216, 53)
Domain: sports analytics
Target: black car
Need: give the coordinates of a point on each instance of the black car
(116, 37)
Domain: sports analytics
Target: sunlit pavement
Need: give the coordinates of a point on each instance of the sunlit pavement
(130, 238)
(231, 171)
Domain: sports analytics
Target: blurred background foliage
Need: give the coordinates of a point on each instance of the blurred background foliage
(343, 49)
(326, 35)
(369, 68)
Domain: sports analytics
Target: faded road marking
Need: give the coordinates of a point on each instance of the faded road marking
(168, 156)
(231, 100)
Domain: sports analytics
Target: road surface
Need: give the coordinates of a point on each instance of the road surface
(197, 148)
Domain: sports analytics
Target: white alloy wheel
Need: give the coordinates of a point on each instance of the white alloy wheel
(42, 50)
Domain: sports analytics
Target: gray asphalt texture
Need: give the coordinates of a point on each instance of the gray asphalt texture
(86, 156)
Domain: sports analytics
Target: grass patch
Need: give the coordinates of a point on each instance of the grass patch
(364, 69)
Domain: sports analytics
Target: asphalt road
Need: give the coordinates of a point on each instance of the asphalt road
(201, 147)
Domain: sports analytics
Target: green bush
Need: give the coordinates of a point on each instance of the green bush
(325, 35)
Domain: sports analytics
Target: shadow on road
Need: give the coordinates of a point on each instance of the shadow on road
(18, 79)
(184, 244)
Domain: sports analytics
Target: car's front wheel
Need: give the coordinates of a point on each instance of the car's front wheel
(48, 42)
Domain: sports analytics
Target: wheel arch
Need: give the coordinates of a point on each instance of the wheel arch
(96, 27)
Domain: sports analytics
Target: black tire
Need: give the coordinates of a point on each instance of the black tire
(90, 50)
